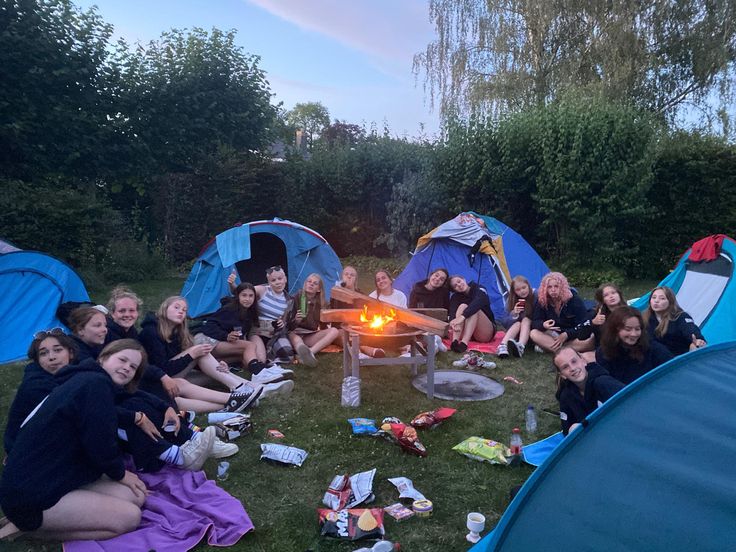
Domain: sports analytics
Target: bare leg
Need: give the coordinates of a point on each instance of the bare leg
(188, 390)
(198, 406)
(543, 339)
(526, 326)
(208, 365)
(236, 351)
(295, 340)
(582, 345)
(512, 332)
(260, 347)
(588, 356)
(96, 512)
(477, 327)
(318, 341)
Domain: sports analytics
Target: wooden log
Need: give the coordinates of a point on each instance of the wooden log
(407, 316)
(340, 315)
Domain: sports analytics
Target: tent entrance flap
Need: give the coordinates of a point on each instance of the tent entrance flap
(267, 250)
(703, 287)
(233, 245)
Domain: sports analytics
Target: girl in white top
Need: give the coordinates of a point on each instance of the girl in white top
(385, 290)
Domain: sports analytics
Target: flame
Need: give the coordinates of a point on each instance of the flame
(378, 321)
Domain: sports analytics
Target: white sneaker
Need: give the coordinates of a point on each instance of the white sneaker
(538, 349)
(282, 388)
(503, 350)
(221, 449)
(405, 354)
(196, 451)
(271, 375)
(439, 344)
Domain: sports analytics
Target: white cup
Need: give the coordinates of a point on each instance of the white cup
(476, 522)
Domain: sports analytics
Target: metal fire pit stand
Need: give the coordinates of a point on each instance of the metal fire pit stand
(351, 361)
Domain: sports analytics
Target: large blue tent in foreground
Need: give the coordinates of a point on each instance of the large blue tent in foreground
(652, 470)
(34, 285)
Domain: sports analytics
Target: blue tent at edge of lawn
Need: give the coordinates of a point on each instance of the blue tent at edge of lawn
(34, 284)
(506, 254)
(706, 290)
(250, 249)
(651, 470)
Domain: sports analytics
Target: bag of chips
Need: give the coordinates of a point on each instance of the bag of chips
(363, 425)
(349, 491)
(408, 440)
(354, 524)
(432, 419)
(283, 454)
(484, 450)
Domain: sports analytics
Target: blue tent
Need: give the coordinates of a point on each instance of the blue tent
(252, 248)
(502, 254)
(34, 285)
(651, 470)
(706, 290)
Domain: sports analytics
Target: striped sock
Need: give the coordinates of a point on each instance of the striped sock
(172, 455)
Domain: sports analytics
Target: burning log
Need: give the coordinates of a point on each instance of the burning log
(407, 316)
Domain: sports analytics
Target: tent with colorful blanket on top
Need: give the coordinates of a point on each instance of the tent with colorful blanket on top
(252, 248)
(34, 285)
(479, 248)
(705, 285)
(652, 469)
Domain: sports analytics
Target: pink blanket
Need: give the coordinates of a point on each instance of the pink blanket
(181, 509)
(489, 347)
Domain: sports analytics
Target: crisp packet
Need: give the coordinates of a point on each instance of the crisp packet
(232, 428)
(283, 454)
(349, 491)
(407, 438)
(484, 450)
(398, 511)
(352, 524)
(363, 425)
(432, 419)
(275, 434)
(406, 488)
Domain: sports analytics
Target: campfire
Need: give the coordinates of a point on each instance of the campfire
(378, 321)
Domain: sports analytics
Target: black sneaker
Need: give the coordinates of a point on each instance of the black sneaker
(461, 347)
(242, 398)
(514, 349)
(455, 346)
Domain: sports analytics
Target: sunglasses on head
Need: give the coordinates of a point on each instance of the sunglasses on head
(46, 333)
(274, 268)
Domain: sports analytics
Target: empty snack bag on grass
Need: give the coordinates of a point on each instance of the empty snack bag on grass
(348, 491)
(485, 450)
(363, 425)
(283, 454)
(354, 524)
(430, 420)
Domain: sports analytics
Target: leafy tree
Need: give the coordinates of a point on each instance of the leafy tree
(505, 55)
(311, 117)
(339, 133)
(53, 116)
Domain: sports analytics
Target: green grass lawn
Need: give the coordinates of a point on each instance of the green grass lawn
(282, 501)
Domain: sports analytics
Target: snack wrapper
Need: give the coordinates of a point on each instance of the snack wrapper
(432, 419)
(484, 450)
(234, 427)
(512, 379)
(352, 524)
(398, 511)
(283, 454)
(275, 434)
(349, 491)
(407, 438)
(363, 425)
(350, 391)
(406, 488)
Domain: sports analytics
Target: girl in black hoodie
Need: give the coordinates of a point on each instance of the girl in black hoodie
(53, 480)
(470, 314)
(432, 293)
(89, 330)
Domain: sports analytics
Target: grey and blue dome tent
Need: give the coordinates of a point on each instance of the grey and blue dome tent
(252, 248)
(479, 248)
(652, 469)
(705, 286)
(34, 285)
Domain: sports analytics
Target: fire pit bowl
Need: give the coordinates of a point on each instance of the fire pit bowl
(387, 340)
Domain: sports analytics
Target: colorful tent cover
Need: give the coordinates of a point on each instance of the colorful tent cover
(252, 248)
(502, 254)
(34, 285)
(652, 470)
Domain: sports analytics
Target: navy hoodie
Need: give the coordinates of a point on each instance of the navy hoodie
(429, 298)
(571, 315)
(69, 442)
(36, 385)
(85, 351)
(159, 351)
(115, 332)
(574, 407)
(221, 322)
(679, 333)
(626, 369)
(477, 300)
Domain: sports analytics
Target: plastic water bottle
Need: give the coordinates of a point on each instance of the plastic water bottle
(516, 443)
(223, 471)
(531, 420)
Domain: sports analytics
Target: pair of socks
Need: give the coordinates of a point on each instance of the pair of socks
(173, 456)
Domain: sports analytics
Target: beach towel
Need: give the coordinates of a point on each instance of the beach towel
(182, 508)
(489, 347)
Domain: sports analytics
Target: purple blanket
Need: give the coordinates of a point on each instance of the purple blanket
(182, 507)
